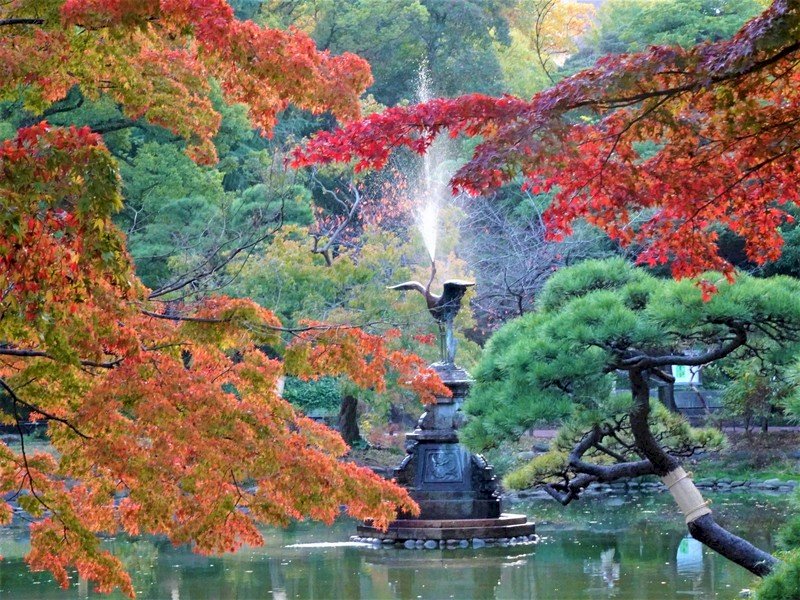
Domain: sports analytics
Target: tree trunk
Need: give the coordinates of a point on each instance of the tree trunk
(666, 394)
(701, 524)
(348, 420)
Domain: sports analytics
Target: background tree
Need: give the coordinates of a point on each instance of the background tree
(632, 26)
(455, 39)
(544, 33)
(301, 285)
(755, 393)
(506, 246)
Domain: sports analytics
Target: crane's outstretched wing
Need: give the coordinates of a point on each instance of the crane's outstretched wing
(454, 290)
(458, 283)
(408, 285)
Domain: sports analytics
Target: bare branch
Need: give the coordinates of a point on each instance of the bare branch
(26, 353)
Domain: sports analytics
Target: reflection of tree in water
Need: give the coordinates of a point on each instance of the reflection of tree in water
(443, 574)
(139, 556)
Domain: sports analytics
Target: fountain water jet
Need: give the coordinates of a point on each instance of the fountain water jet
(432, 185)
(427, 222)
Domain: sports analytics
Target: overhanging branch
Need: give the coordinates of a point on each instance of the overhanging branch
(17, 400)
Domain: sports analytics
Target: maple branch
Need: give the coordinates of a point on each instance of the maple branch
(17, 400)
(6, 22)
(26, 466)
(352, 210)
(699, 83)
(542, 11)
(171, 317)
(206, 269)
(291, 330)
(72, 101)
(22, 352)
(730, 187)
(115, 125)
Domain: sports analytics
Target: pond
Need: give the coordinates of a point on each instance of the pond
(611, 547)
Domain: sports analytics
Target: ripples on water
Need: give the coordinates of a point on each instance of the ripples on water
(616, 547)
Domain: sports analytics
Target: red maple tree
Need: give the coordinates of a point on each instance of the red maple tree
(162, 423)
(658, 149)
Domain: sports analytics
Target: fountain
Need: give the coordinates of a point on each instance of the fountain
(456, 490)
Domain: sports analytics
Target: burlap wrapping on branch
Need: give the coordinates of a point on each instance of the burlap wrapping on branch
(686, 494)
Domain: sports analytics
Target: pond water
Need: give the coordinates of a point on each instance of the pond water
(611, 547)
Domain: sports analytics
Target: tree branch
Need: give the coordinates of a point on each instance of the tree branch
(17, 400)
(7, 22)
(26, 353)
(641, 362)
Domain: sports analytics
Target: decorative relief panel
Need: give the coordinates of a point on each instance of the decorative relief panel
(443, 466)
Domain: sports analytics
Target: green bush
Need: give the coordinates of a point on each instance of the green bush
(784, 582)
(322, 394)
(789, 536)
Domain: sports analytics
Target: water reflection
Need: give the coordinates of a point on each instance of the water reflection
(606, 569)
(615, 548)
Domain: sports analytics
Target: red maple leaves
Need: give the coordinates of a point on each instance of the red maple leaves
(658, 149)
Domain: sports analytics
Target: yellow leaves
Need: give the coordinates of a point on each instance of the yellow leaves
(230, 323)
(543, 35)
(6, 513)
(543, 468)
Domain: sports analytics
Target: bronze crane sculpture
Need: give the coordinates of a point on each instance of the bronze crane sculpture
(443, 308)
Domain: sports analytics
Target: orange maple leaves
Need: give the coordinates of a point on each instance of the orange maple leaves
(155, 57)
(162, 422)
(362, 357)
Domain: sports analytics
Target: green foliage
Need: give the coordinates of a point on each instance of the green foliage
(386, 33)
(7, 130)
(456, 40)
(324, 394)
(671, 430)
(587, 276)
(298, 284)
(754, 394)
(541, 469)
(784, 582)
(557, 363)
(632, 25)
(789, 536)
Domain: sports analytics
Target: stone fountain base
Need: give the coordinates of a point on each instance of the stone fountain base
(506, 529)
(456, 490)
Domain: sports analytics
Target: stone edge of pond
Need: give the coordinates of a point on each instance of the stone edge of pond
(451, 544)
(722, 484)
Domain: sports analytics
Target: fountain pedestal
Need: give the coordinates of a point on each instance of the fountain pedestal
(456, 490)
